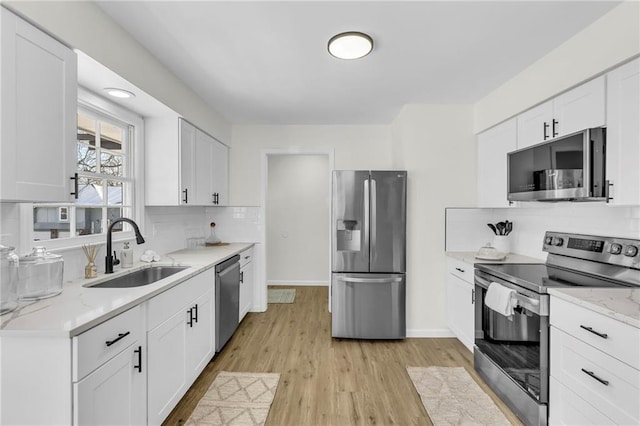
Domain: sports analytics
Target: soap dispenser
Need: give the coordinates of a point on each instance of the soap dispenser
(126, 256)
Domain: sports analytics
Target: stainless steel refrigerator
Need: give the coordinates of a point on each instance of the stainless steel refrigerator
(368, 254)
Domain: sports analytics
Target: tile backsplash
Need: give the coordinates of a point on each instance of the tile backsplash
(466, 229)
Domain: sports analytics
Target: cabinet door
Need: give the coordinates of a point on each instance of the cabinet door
(200, 334)
(187, 162)
(460, 309)
(114, 394)
(204, 169)
(623, 133)
(246, 289)
(580, 108)
(220, 173)
(168, 378)
(493, 146)
(39, 109)
(534, 125)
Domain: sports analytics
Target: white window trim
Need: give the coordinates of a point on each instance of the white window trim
(94, 102)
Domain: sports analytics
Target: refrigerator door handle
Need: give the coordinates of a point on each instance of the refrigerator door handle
(372, 243)
(366, 211)
(370, 280)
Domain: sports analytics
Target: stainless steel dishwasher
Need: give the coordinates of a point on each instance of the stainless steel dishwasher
(227, 300)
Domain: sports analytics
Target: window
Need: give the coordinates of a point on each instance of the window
(104, 163)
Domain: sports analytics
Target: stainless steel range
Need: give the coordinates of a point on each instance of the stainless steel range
(511, 353)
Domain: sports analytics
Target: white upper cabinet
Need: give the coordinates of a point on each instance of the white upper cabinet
(570, 112)
(38, 119)
(493, 146)
(183, 165)
(623, 134)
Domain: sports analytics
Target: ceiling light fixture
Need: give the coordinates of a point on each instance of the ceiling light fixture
(350, 45)
(119, 93)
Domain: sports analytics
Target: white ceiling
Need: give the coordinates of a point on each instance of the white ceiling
(267, 62)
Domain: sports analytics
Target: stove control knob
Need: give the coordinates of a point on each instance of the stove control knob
(630, 251)
(548, 240)
(557, 241)
(615, 248)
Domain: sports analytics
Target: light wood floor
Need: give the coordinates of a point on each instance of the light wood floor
(327, 381)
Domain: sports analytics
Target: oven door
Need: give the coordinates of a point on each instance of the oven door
(512, 353)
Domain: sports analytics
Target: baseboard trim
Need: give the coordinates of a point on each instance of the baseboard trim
(298, 283)
(430, 333)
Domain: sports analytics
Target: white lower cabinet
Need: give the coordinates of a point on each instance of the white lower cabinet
(461, 301)
(180, 341)
(246, 282)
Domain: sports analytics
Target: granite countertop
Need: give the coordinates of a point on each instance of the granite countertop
(622, 304)
(79, 308)
(470, 258)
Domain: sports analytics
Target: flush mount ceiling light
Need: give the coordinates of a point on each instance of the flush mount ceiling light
(119, 93)
(350, 45)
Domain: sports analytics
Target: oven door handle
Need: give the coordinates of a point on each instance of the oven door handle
(524, 301)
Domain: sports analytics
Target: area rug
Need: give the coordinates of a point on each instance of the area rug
(452, 397)
(236, 399)
(281, 295)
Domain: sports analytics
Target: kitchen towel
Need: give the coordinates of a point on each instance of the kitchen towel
(501, 299)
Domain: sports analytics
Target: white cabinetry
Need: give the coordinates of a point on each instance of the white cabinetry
(183, 165)
(580, 108)
(461, 301)
(38, 114)
(595, 367)
(493, 146)
(246, 282)
(623, 133)
(180, 341)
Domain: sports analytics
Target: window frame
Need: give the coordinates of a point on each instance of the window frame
(94, 104)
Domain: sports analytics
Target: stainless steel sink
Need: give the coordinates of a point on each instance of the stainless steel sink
(140, 277)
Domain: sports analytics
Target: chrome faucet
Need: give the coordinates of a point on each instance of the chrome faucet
(113, 260)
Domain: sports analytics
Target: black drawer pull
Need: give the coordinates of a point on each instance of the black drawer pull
(460, 270)
(120, 337)
(591, 330)
(241, 277)
(591, 374)
(139, 366)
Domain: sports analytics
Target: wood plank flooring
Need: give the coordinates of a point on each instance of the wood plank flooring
(327, 381)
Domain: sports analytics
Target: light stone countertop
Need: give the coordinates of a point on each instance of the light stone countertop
(622, 304)
(470, 258)
(79, 308)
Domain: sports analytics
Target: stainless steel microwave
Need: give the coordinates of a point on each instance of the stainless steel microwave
(567, 168)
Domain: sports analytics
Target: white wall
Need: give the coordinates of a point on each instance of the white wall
(611, 40)
(436, 145)
(297, 219)
(355, 147)
(83, 25)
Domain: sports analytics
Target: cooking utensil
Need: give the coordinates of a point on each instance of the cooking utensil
(493, 228)
(500, 226)
(509, 228)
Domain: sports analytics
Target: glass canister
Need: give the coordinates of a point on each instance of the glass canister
(39, 274)
(8, 279)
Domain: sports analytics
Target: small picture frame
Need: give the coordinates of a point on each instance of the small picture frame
(63, 214)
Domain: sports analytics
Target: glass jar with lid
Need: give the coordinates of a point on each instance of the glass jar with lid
(40, 274)
(8, 279)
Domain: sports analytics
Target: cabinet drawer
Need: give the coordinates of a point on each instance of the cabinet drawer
(94, 347)
(460, 269)
(611, 386)
(164, 305)
(567, 408)
(246, 257)
(622, 340)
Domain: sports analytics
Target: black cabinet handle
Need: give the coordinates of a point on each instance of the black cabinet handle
(195, 309)
(473, 296)
(242, 277)
(591, 330)
(460, 270)
(554, 123)
(75, 186)
(120, 337)
(545, 127)
(186, 195)
(607, 190)
(591, 374)
(190, 322)
(139, 366)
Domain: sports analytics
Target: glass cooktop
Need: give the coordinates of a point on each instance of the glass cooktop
(539, 276)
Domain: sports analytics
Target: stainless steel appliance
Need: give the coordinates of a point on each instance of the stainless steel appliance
(570, 167)
(512, 354)
(227, 300)
(369, 254)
